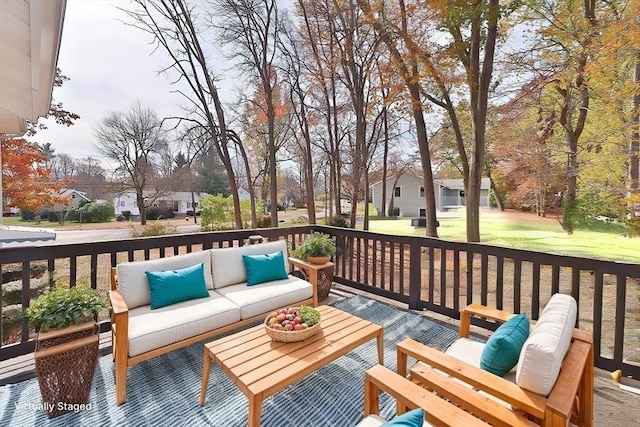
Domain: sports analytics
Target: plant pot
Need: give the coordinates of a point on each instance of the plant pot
(65, 365)
(319, 260)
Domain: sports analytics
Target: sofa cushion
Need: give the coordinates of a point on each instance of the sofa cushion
(470, 351)
(414, 418)
(264, 268)
(172, 286)
(542, 354)
(502, 349)
(266, 297)
(228, 266)
(132, 280)
(151, 329)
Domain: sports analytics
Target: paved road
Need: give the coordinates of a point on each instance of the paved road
(90, 236)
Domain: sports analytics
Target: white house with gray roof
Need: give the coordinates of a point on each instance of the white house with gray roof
(407, 192)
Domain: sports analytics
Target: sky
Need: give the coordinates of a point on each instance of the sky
(110, 66)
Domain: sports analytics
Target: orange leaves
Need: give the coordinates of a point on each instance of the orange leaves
(25, 179)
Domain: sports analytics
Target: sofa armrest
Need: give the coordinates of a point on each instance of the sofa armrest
(310, 274)
(438, 411)
(118, 306)
(494, 385)
(477, 310)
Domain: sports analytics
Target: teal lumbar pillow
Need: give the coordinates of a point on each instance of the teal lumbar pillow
(173, 286)
(502, 350)
(264, 268)
(413, 418)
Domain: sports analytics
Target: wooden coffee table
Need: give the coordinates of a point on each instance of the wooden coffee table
(257, 364)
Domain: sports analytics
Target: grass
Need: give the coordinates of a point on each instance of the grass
(526, 231)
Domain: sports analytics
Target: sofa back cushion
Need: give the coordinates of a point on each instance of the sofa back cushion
(228, 266)
(542, 354)
(132, 279)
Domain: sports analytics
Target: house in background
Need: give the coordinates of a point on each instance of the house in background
(407, 192)
(180, 202)
(75, 198)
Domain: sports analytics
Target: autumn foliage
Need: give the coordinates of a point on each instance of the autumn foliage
(26, 181)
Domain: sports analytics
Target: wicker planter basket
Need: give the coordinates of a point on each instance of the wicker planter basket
(291, 336)
(65, 365)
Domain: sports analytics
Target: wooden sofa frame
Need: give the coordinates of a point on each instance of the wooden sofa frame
(453, 410)
(120, 328)
(570, 400)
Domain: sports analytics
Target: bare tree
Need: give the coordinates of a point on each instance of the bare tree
(135, 140)
(252, 28)
(176, 29)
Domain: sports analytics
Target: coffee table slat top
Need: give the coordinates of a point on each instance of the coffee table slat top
(261, 366)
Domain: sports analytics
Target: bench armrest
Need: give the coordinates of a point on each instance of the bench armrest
(409, 395)
(494, 385)
(477, 310)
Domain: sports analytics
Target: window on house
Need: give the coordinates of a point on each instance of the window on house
(122, 203)
(396, 192)
(176, 206)
(423, 212)
(421, 193)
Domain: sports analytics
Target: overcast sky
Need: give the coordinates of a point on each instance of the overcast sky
(110, 66)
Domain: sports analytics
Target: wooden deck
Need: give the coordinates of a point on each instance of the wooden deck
(612, 406)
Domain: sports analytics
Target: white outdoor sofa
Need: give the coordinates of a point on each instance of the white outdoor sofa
(140, 333)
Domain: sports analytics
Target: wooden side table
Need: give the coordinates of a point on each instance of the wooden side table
(319, 275)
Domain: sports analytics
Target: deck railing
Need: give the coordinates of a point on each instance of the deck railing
(425, 273)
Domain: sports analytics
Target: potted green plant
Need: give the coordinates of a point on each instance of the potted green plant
(66, 353)
(317, 248)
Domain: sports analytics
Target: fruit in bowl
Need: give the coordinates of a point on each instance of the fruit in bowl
(292, 323)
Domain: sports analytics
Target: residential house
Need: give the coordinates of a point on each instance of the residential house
(180, 201)
(408, 194)
(75, 198)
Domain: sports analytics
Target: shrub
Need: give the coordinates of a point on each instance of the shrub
(126, 215)
(156, 228)
(341, 220)
(301, 219)
(98, 212)
(264, 222)
(27, 215)
(52, 216)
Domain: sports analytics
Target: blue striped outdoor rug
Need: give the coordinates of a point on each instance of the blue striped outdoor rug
(164, 391)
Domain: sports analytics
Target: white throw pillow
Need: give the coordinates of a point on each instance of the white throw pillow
(543, 352)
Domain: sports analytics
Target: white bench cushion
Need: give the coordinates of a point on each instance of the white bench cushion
(266, 297)
(228, 266)
(542, 354)
(151, 329)
(134, 286)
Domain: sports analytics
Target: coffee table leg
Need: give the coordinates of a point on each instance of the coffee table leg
(206, 368)
(381, 348)
(255, 410)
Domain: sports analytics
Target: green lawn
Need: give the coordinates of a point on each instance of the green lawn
(526, 232)
(16, 220)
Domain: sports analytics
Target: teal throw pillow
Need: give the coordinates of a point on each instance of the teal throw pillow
(413, 418)
(173, 286)
(502, 350)
(264, 268)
